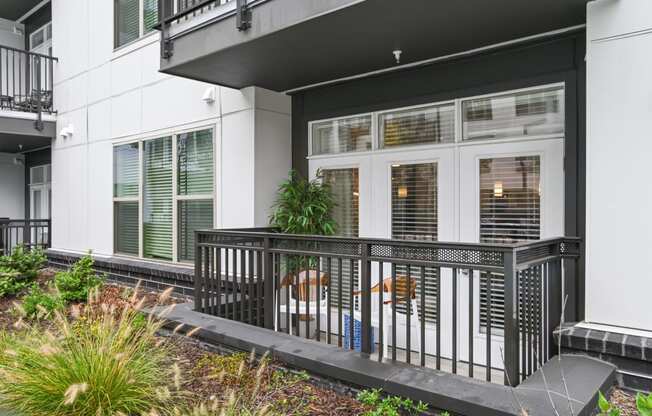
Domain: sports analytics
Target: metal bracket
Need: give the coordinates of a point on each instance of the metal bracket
(167, 47)
(243, 15)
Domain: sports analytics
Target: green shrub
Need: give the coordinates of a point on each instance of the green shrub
(390, 405)
(74, 284)
(38, 303)
(19, 269)
(99, 365)
(644, 404)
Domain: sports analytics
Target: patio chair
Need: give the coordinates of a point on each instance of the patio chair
(405, 292)
(304, 296)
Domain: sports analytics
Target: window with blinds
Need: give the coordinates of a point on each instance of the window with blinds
(127, 21)
(510, 211)
(195, 163)
(418, 126)
(531, 113)
(195, 185)
(192, 215)
(126, 184)
(128, 25)
(163, 212)
(157, 198)
(150, 15)
(345, 187)
(414, 217)
(125, 170)
(126, 227)
(352, 134)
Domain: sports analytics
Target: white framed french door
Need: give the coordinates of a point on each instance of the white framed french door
(482, 169)
(508, 192)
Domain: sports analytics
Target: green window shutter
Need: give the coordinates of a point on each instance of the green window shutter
(195, 163)
(126, 227)
(150, 14)
(125, 170)
(193, 215)
(127, 21)
(157, 198)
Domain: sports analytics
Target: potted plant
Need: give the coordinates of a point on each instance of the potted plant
(303, 207)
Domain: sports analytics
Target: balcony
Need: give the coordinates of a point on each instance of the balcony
(26, 81)
(27, 114)
(288, 44)
(27, 233)
(485, 311)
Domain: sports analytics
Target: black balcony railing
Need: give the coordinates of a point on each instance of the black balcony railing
(475, 309)
(173, 12)
(28, 233)
(26, 80)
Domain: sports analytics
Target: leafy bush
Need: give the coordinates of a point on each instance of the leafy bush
(390, 405)
(19, 269)
(102, 364)
(74, 284)
(38, 303)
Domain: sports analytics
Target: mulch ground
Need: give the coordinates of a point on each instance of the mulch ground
(302, 397)
(625, 401)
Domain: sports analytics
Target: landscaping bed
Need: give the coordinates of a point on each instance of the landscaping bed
(73, 344)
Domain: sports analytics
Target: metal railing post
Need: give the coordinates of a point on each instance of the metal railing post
(165, 11)
(365, 301)
(511, 357)
(38, 124)
(49, 225)
(198, 274)
(555, 297)
(268, 285)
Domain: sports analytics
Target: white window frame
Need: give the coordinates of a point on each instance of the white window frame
(376, 145)
(175, 198)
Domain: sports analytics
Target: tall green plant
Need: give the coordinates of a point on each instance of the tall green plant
(104, 363)
(304, 207)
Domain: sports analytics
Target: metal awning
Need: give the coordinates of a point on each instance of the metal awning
(296, 43)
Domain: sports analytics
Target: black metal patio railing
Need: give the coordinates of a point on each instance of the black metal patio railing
(29, 233)
(26, 80)
(477, 309)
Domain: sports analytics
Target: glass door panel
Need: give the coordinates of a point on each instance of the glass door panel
(509, 192)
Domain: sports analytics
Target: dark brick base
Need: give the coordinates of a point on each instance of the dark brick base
(631, 354)
(154, 276)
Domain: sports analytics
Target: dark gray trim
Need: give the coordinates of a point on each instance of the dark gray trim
(156, 276)
(631, 354)
(36, 21)
(285, 48)
(560, 59)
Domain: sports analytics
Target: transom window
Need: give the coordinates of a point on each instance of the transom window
(133, 19)
(163, 190)
(534, 112)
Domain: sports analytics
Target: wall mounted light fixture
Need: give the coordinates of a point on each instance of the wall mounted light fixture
(209, 95)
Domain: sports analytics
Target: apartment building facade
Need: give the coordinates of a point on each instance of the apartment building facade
(484, 123)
